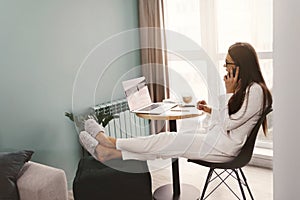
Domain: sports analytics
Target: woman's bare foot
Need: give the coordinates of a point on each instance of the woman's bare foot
(105, 141)
(104, 153)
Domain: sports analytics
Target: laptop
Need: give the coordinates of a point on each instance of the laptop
(138, 98)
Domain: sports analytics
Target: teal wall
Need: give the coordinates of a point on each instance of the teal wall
(42, 45)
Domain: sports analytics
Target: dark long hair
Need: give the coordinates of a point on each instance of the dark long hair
(244, 56)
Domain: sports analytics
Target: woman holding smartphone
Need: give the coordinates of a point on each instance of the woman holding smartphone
(247, 96)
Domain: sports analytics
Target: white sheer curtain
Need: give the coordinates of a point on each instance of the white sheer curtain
(217, 24)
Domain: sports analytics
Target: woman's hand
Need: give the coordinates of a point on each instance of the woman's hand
(231, 80)
(202, 105)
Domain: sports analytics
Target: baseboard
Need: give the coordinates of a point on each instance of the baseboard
(262, 158)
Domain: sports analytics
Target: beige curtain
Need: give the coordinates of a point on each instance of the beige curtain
(153, 52)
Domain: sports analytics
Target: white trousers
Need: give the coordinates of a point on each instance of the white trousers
(168, 145)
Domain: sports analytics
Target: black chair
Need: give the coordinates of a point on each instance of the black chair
(235, 165)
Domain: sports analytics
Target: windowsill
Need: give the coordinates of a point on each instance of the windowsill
(262, 157)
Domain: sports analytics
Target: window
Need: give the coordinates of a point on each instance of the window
(215, 25)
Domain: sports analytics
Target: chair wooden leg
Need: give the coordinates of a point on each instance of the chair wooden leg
(240, 184)
(246, 183)
(206, 183)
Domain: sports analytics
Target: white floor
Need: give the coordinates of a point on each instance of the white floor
(259, 179)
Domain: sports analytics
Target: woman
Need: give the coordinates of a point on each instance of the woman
(246, 98)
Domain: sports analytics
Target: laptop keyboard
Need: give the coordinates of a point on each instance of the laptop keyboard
(151, 107)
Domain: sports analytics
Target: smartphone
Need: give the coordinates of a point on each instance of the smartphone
(234, 71)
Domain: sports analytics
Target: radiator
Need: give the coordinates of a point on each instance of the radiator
(124, 123)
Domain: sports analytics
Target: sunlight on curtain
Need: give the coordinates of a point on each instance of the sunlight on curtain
(184, 17)
(217, 24)
(246, 20)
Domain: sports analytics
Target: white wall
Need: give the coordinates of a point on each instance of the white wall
(286, 99)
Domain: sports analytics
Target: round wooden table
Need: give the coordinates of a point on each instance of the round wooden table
(175, 191)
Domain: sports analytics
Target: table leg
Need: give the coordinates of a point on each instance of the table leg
(176, 191)
(175, 177)
(175, 165)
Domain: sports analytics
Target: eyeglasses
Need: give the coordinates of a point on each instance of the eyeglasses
(229, 63)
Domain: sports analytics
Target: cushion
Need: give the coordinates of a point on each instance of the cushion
(10, 164)
(42, 182)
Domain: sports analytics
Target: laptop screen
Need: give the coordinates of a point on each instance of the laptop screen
(137, 93)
